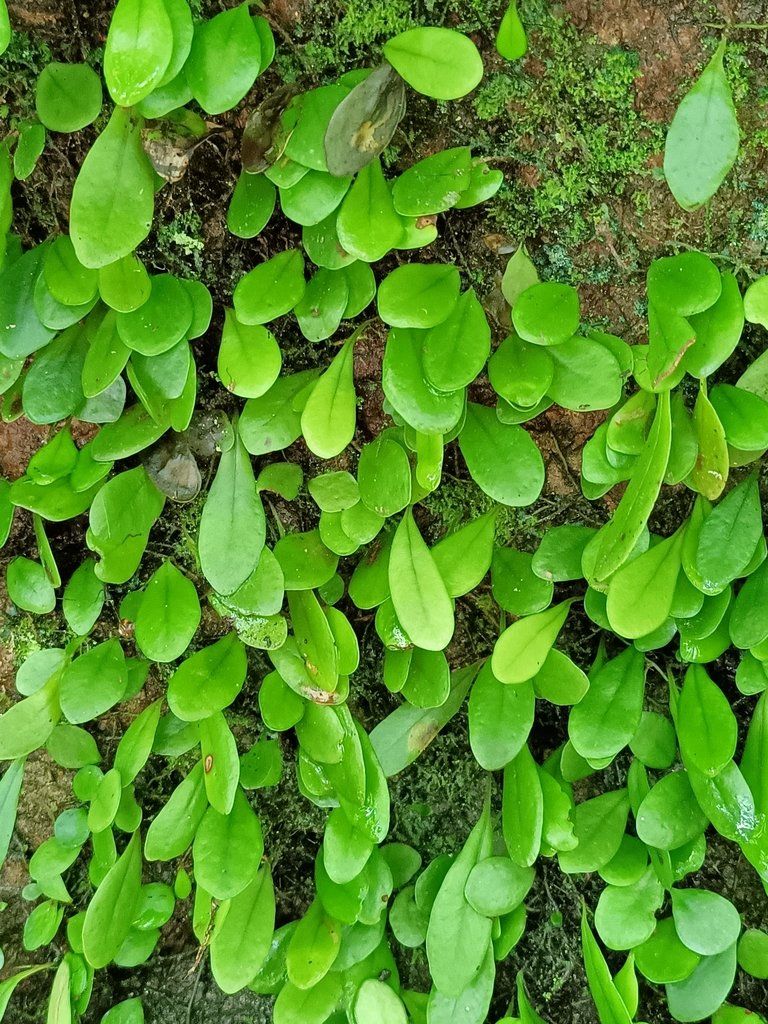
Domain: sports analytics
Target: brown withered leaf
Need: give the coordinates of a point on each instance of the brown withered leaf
(267, 130)
(363, 124)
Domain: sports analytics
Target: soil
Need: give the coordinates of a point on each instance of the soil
(629, 217)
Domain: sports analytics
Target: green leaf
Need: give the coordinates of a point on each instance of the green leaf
(249, 357)
(83, 598)
(110, 913)
(313, 948)
(511, 41)
(705, 989)
(437, 62)
(607, 717)
(271, 423)
(220, 759)
(710, 472)
(138, 51)
(270, 289)
(5, 39)
(169, 615)
(706, 726)
(457, 936)
(10, 788)
(433, 185)
(174, 827)
(315, 109)
(455, 351)
(503, 460)
(753, 953)
(122, 514)
(418, 592)
(232, 527)
(21, 330)
(615, 542)
(109, 222)
(368, 225)
(26, 725)
(641, 592)
(547, 313)
(384, 476)
(8, 986)
(663, 958)
(464, 557)
(251, 206)
(29, 587)
(729, 535)
(401, 737)
(608, 1003)
(522, 808)
(129, 1011)
(706, 922)
(599, 826)
(94, 682)
(405, 388)
(418, 295)
(669, 816)
(743, 415)
(718, 330)
(135, 746)
(559, 680)
(243, 933)
(224, 61)
(160, 322)
(377, 1003)
(586, 376)
(625, 915)
(329, 417)
(522, 648)
(500, 719)
(227, 849)
(703, 140)
(322, 306)
(29, 148)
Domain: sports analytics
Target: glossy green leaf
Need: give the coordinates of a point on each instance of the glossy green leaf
(329, 417)
(232, 527)
(436, 61)
(599, 826)
(418, 591)
(138, 50)
(522, 808)
(242, 934)
(608, 1003)
(522, 648)
(368, 225)
(457, 936)
(110, 913)
(500, 719)
(224, 60)
(249, 358)
(503, 460)
(169, 615)
(109, 223)
(706, 726)
(615, 542)
(227, 849)
(270, 289)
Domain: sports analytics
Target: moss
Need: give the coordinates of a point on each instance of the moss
(23, 634)
(566, 117)
(20, 67)
(180, 244)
